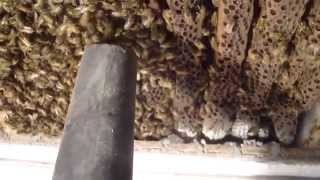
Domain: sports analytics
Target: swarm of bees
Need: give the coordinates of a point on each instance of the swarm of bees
(219, 68)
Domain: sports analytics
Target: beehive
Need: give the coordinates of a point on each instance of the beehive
(208, 70)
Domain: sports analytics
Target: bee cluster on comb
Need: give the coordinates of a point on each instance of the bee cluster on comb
(213, 69)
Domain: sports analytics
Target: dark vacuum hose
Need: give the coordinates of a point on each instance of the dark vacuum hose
(98, 137)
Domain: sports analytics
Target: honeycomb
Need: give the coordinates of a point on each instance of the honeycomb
(234, 20)
(188, 90)
(207, 69)
(233, 24)
(186, 19)
(245, 125)
(308, 89)
(216, 121)
(284, 118)
(267, 53)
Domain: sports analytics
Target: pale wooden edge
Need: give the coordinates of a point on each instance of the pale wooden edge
(271, 151)
(152, 160)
